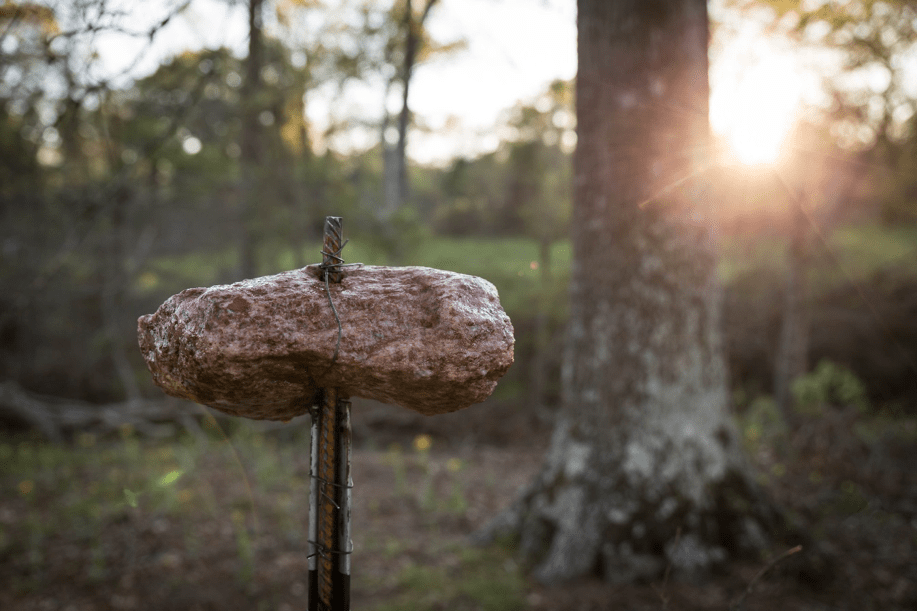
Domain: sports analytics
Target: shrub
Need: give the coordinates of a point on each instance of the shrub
(829, 384)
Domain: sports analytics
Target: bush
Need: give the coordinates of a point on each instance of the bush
(829, 384)
(762, 424)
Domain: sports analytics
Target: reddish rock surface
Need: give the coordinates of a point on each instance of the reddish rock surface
(429, 340)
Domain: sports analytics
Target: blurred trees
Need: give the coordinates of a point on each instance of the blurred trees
(522, 188)
(115, 194)
(874, 108)
(117, 190)
(374, 48)
(414, 35)
(539, 203)
(68, 231)
(105, 182)
(861, 154)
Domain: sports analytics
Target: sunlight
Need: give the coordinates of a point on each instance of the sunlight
(755, 97)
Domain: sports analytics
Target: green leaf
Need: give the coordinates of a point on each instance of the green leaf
(169, 478)
(131, 497)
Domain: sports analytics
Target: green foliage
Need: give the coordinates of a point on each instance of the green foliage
(762, 424)
(243, 546)
(471, 194)
(20, 168)
(395, 459)
(524, 187)
(457, 502)
(829, 384)
(863, 250)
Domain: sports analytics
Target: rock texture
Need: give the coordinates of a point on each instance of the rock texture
(429, 340)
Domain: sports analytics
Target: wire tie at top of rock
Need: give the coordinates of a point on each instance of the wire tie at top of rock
(332, 262)
(330, 267)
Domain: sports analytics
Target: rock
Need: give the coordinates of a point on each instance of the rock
(429, 340)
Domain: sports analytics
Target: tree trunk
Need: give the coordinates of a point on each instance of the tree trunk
(793, 345)
(410, 55)
(395, 162)
(541, 333)
(644, 470)
(115, 281)
(251, 145)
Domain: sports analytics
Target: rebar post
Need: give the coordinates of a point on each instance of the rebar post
(331, 483)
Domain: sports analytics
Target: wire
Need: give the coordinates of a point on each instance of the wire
(327, 270)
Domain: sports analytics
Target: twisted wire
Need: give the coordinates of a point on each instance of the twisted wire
(332, 266)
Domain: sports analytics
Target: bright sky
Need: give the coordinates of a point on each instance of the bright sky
(515, 48)
(757, 90)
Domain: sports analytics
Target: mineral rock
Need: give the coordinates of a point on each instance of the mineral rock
(429, 340)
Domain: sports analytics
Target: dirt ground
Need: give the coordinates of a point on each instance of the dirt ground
(229, 542)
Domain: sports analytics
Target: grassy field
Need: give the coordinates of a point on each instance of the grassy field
(210, 521)
(133, 523)
(848, 254)
(850, 259)
(858, 252)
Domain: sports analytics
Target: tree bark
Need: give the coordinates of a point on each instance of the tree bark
(410, 55)
(644, 470)
(251, 145)
(541, 334)
(793, 345)
(396, 173)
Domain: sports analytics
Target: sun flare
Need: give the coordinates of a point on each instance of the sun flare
(755, 98)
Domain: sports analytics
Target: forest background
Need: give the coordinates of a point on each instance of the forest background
(118, 190)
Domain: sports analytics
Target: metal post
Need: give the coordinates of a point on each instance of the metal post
(331, 483)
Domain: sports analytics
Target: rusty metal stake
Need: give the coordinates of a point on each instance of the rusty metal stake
(331, 484)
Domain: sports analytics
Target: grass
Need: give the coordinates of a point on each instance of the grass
(184, 271)
(478, 579)
(848, 254)
(511, 264)
(232, 505)
(78, 491)
(864, 249)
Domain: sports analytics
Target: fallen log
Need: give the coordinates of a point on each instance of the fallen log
(58, 418)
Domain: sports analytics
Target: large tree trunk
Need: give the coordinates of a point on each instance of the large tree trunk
(645, 470)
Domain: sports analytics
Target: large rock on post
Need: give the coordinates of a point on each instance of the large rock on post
(429, 340)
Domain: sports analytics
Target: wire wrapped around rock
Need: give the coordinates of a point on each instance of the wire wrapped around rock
(328, 269)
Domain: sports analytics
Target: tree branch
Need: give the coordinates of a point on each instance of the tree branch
(739, 604)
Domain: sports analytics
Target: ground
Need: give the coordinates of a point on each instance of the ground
(202, 523)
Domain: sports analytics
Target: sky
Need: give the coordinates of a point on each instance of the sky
(515, 48)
